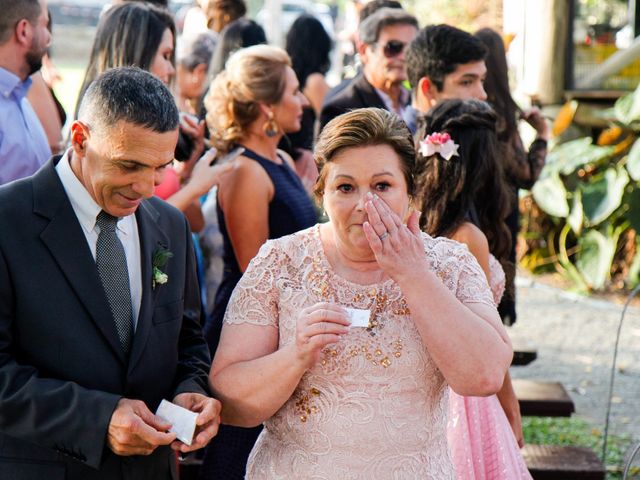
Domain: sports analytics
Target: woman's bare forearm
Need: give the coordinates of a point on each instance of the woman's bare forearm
(472, 352)
(252, 391)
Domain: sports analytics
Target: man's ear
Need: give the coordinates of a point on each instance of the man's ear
(427, 94)
(79, 137)
(362, 51)
(24, 33)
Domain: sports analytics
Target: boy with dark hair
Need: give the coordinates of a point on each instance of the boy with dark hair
(444, 62)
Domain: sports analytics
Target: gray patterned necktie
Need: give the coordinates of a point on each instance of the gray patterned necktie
(114, 275)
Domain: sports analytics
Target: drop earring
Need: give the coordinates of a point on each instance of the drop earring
(270, 127)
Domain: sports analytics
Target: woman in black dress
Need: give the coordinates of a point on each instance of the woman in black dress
(252, 104)
(308, 44)
(522, 167)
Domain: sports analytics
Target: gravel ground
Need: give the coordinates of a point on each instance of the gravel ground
(575, 337)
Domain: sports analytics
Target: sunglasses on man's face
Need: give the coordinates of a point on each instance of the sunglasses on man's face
(393, 48)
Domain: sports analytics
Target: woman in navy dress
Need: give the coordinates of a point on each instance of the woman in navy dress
(251, 104)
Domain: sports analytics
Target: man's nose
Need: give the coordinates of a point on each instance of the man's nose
(158, 176)
(146, 184)
(481, 94)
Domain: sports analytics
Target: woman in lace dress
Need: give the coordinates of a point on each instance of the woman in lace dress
(348, 402)
(464, 197)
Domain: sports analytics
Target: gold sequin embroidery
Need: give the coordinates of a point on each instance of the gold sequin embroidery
(306, 403)
(380, 355)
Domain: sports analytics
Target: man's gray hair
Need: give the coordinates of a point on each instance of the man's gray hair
(132, 95)
(369, 30)
(194, 50)
(15, 10)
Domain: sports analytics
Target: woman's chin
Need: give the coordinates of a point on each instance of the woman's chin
(292, 128)
(360, 243)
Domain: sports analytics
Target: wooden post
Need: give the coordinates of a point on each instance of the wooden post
(547, 28)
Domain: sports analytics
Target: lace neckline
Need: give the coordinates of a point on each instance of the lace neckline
(321, 255)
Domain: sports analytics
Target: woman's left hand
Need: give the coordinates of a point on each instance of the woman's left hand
(398, 248)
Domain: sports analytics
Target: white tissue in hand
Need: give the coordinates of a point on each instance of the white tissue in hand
(183, 421)
(358, 318)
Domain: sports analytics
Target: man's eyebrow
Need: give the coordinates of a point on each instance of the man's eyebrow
(140, 164)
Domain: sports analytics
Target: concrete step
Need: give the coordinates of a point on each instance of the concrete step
(543, 399)
(555, 462)
(523, 356)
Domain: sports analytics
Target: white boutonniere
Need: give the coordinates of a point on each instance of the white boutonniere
(159, 260)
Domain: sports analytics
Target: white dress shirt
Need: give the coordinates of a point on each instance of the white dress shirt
(86, 209)
(403, 101)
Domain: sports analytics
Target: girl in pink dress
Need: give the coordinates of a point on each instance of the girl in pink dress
(464, 198)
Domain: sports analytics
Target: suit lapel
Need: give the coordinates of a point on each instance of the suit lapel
(151, 239)
(368, 94)
(64, 238)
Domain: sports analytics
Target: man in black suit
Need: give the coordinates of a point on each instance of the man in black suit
(384, 37)
(99, 303)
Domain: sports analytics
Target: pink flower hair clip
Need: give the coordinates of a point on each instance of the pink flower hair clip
(440, 143)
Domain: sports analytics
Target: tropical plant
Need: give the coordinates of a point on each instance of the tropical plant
(583, 213)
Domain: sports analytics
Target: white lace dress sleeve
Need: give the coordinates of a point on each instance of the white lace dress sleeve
(255, 298)
(459, 270)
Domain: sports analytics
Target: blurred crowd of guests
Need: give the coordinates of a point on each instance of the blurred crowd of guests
(273, 110)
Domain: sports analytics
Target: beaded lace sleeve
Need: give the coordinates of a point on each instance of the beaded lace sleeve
(255, 298)
(459, 271)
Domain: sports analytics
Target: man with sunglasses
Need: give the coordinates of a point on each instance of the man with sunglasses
(384, 37)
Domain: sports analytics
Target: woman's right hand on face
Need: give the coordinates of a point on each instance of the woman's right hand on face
(204, 176)
(318, 326)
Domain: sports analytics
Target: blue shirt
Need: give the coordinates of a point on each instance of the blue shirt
(23, 144)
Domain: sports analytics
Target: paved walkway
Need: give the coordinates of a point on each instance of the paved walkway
(575, 336)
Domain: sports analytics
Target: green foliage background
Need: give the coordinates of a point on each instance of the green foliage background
(584, 214)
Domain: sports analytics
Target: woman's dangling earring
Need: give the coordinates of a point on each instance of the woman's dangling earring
(270, 127)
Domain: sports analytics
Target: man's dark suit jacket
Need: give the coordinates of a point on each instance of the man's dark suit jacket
(62, 370)
(358, 94)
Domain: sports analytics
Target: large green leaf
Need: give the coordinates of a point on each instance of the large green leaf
(633, 161)
(576, 217)
(568, 157)
(627, 109)
(603, 195)
(633, 276)
(596, 256)
(551, 196)
(632, 204)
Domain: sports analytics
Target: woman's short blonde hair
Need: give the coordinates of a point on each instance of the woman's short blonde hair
(252, 75)
(361, 128)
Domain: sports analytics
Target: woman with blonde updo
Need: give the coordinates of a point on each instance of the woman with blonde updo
(252, 104)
